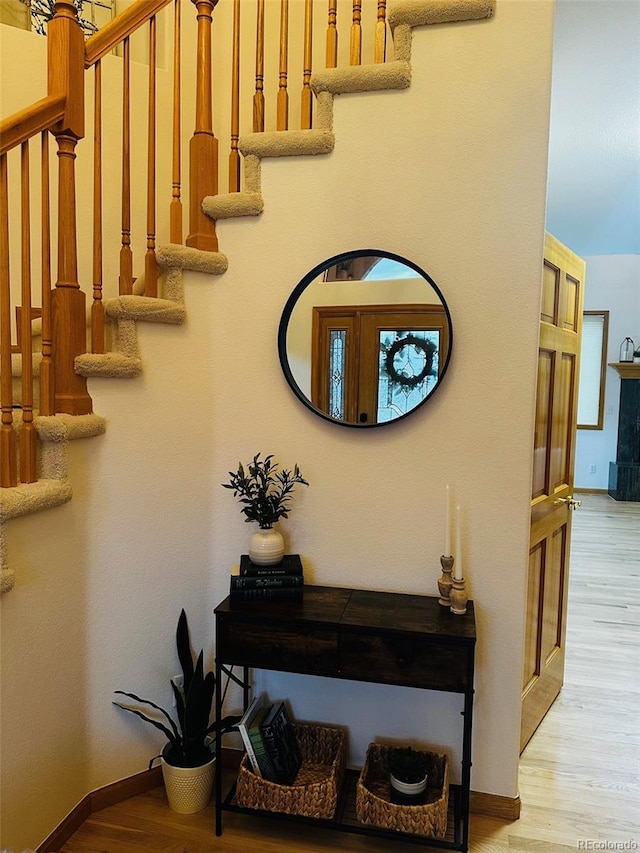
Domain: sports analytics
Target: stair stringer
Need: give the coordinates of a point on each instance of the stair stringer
(403, 16)
(53, 488)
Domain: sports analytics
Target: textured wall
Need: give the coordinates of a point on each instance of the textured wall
(450, 174)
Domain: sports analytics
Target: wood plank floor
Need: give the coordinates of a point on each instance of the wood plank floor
(579, 775)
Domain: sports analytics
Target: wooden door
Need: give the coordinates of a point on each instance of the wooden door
(349, 376)
(552, 482)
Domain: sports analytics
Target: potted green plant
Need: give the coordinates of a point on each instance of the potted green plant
(636, 354)
(407, 775)
(265, 493)
(187, 758)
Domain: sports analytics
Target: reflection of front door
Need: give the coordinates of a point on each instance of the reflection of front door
(375, 363)
(552, 486)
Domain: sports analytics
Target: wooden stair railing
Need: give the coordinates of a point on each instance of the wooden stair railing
(61, 114)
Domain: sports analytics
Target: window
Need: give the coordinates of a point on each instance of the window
(593, 366)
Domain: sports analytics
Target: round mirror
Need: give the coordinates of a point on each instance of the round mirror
(365, 338)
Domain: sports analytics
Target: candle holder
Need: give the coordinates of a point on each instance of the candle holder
(458, 597)
(446, 581)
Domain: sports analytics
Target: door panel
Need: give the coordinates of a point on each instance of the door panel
(550, 293)
(552, 482)
(542, 439)
(532, 651)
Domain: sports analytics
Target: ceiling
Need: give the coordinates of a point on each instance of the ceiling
(593, 203)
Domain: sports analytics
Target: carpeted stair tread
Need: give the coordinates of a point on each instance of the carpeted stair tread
(69, 427)
(175, 256)
(110, 364)
(27, 498)
(417, 13)
(147, 308)
(287, 143)
(363, 78)
(228, 205)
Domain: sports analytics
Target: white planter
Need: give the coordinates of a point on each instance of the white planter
(188, 789)
(266, 547)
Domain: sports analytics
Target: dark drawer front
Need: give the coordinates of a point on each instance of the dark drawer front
(412, 661)
(311, 650)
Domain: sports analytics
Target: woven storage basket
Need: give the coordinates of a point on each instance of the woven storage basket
(314, 792)
(373, 796)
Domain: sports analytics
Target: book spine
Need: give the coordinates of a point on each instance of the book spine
(265, 764)
(269, 594)
(279, 581)
(248, 745)
(280, 744)
(273, 750)
(253, 571)
(291, 565)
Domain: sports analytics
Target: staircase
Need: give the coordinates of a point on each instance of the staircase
(157, 296)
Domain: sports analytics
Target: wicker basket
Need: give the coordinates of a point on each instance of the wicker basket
(314, 792)
(373, 797)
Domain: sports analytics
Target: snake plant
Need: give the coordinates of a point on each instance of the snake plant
(188, 735)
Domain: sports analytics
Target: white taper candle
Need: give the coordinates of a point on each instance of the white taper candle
(446, 551)
(457, 565)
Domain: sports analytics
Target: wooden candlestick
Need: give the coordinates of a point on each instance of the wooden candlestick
(445, 582)
(458, 597)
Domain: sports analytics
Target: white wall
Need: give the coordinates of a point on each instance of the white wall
(612, 285)
(454, 179)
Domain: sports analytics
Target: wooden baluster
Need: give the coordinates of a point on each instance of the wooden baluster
(150, 265)
(46, 365)
(332, 35)
(306, 108)
(258, 98)
(380, 46)
(282, 106)
(8, 464)
(27, 433)
(234, 156)
(203, 147)
(126, 256)
(175, 211)
(97, 308)
(65, 44)
(355, 53)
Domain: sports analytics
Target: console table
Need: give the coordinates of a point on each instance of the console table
(358, 635)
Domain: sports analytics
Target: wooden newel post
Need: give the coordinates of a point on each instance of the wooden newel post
(66, 76)
(203, 147)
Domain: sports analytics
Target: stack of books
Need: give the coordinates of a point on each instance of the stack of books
(270, 742)
(282, 582)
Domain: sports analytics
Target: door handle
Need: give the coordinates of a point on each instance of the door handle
(573, 503)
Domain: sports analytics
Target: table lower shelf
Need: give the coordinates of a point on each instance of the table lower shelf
(345, 818)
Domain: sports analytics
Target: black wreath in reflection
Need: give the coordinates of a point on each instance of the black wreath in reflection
(428, 350)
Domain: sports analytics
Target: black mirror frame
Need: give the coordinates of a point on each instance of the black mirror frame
(290, 305)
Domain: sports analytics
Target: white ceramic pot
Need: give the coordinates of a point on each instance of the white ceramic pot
(266, 547)
(188, 789)
(408, 790)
